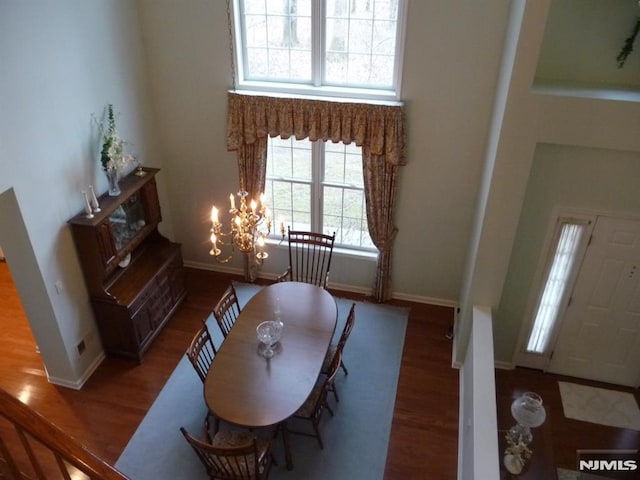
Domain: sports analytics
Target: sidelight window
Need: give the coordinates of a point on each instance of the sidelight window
(569, 238)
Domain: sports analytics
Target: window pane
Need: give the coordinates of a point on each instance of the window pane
(343, 164)
(286, 161)
(354, 45)
(289, 177)
(301, 211)
(277, 39)
(555, 287)
(291, 204)
(360, 42)
(344, 213)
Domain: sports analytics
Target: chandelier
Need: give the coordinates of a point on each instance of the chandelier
(250, 224)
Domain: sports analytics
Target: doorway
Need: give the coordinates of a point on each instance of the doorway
(596, 333)
(599, 335)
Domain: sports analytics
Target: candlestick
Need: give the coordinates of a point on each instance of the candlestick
(232, 201)
(95, 206)
(87, 205)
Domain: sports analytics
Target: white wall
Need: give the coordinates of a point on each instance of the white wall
(62, 62)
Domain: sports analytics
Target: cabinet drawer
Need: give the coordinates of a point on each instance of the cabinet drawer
(140, 300)
(143, 326)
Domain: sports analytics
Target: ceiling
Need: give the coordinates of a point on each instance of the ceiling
(582, 40)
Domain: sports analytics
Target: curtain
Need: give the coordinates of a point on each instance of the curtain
(379, 129)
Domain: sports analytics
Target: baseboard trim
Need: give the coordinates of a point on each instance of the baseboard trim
(338, 286)
(502, 365)
(78, 384)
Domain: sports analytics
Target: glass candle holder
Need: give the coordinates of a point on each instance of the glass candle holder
(529, 412)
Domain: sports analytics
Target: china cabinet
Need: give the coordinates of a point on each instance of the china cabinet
(134, 274)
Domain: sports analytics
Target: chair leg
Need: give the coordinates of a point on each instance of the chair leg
(335, 392)
(207, 426)
(284, 431)
(326, 405)
(317, 430)
(346, 372)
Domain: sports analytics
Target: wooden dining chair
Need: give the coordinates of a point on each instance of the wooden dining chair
(309, 258)
(334, 348)
(233, 455)
(227, 310)
(201, 352)
(316, 403)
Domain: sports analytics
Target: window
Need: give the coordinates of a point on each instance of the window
(569, 240)
(328, 47)
(341, 48)
(318, 186)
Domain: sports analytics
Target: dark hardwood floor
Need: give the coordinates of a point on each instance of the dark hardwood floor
(107, 410)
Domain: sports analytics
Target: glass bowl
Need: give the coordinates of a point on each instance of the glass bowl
(269, 333)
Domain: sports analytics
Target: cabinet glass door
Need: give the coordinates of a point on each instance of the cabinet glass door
(127, 220)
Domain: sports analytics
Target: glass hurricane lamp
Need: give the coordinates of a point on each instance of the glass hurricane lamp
(529, 412)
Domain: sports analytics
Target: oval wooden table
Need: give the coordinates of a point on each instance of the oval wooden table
(243, 387)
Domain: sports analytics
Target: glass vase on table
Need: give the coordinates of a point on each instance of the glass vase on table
(113, 177)
(269, 334)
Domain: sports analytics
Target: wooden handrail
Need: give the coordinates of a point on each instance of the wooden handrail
(66, 451)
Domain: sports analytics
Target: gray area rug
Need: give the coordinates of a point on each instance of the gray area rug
(356, 438)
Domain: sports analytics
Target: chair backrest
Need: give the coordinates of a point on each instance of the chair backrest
(348, 326)
(310, 257)
(227, 310)
(201, 352)
(237, 462)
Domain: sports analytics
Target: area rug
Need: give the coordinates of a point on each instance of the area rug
(599, 405)
(356, 438)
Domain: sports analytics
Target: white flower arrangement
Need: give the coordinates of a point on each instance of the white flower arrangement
(515, 455)
(518, 449)
(112, 155)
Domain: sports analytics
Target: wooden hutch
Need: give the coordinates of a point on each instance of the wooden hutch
(135, 275)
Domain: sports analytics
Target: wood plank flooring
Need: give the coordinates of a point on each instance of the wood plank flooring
(107, 410)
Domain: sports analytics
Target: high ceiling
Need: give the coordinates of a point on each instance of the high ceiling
(582, 40)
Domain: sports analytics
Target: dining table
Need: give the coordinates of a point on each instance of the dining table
(246, 389)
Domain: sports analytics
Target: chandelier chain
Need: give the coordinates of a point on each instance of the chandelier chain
(231, 49)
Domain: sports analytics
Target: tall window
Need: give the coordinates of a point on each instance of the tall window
(333, 47)
(569, 240)
(318, 186)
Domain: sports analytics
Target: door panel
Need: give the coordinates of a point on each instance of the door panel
(599, 337)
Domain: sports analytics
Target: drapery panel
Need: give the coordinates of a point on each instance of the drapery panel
(379, 129)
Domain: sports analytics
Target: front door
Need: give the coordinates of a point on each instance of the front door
(599, 336)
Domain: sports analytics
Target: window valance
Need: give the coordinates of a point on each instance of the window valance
(376, 126)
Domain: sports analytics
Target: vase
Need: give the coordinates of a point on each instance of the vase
(529, 412)
(112, 177)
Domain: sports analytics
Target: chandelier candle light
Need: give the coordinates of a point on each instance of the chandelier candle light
(249, 226)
